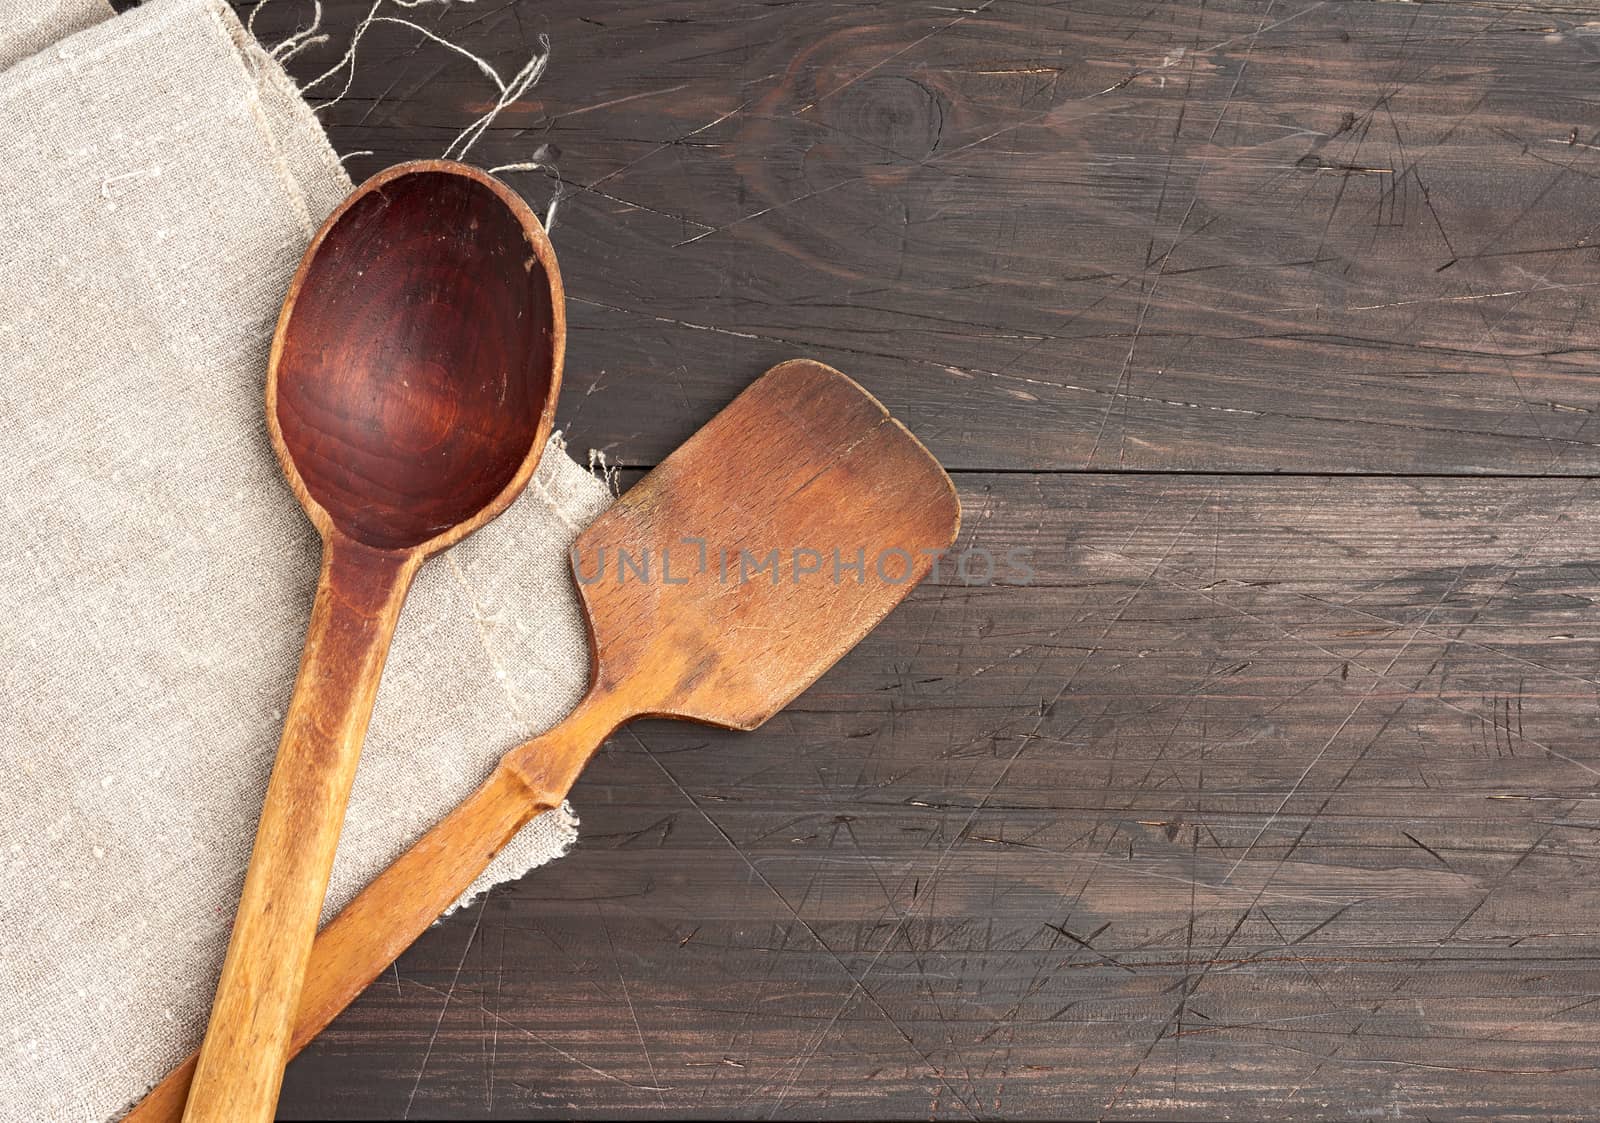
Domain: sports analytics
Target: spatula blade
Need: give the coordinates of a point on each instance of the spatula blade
(759, 552)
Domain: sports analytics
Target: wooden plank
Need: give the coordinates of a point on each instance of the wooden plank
(1268, 797)
(1265, 798)
(1242, 235)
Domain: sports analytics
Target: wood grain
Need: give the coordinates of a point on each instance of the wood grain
(418, 357)
(1267, 799)
(358, 600)
(1242, 237)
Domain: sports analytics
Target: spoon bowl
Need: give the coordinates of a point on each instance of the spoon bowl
(410, 391)
(413, 376)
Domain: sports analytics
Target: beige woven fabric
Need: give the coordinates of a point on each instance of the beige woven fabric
(26, 28)
(160, 180)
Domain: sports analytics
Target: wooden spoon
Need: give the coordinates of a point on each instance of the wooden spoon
(804, 460)
(410, 391)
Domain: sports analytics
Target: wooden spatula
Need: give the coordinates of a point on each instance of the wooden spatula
(717, 589)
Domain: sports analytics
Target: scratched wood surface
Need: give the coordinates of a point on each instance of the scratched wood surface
(1266, 796)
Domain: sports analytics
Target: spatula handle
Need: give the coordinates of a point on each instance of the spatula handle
(246, 1046)
(407, 897)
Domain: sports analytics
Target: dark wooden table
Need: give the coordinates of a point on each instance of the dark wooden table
(1268, 329)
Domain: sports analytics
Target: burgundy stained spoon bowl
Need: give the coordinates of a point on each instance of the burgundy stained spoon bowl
(410, 392)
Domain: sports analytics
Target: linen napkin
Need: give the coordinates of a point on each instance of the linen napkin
(161, 178)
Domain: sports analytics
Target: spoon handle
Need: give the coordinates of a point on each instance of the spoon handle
(246, 1045)
(406, 898)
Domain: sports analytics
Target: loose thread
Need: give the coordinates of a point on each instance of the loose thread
(296, 42)
(349, 59)
(509, 90)
(300, 40)
(541, 160)
(609, 473)
(520, 84)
